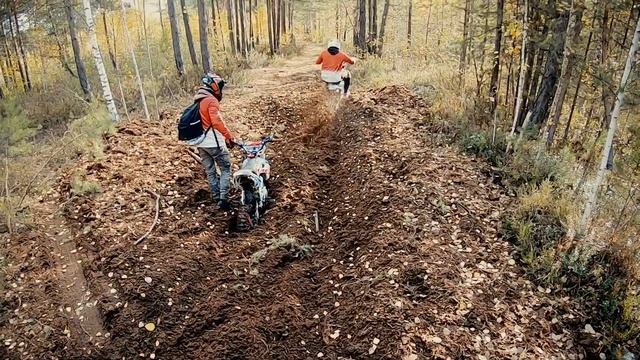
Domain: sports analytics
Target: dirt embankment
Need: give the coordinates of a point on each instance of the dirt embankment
(407, 263)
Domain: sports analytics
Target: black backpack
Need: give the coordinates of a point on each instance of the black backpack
(190, 128)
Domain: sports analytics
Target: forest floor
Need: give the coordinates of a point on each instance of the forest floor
(408, 262)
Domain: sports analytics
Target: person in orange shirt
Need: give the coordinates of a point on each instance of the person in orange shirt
(333, 63)
(214, 149)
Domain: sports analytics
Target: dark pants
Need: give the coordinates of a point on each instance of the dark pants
(347, 82)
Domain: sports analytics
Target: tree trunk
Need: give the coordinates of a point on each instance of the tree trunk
(245, 43)
(232, 39)
(409, 22)
(187, 31)
(18, 37)
(276, 24)
(107, 36)
(383, 26)
(146, 43)
(11, 71)
(573, 34)
(283, 17)
(270, 26)
(362, 25)
(75, 44)
(252, 38)
(493, 86)
(161, 18)
(133, 59)
(480, 74)
(523, 69)
(97, 57)
(204, 38)
(565, 134)
(238, 27)
(465, 40)
(607, 88)
(62, 53)
(19, 58)
(175, 37)
(426, 33)
(540, 109)
(214, 20)
(615, 113)
(114, 57)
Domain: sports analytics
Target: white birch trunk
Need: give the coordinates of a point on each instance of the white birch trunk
(615, 113)
(523, 68)
(133, 58)
(97, 57)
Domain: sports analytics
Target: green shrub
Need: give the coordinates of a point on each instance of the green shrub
(531, 165)
(480, 144)
(16, 129)
(88, 131)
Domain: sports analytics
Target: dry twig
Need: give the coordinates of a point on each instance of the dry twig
(155, 220)
(194, 156)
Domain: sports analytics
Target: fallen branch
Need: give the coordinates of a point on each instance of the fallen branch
(155, 220)
(317, 221)
(194, 156)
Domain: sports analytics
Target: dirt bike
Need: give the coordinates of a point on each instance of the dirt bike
(252, 180)
(335, 85)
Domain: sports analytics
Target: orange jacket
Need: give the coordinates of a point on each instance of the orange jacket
(333, 62)
(210, 113)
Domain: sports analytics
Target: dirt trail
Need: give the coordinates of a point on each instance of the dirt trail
(408, 262)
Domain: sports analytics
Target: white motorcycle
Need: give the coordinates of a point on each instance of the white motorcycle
(252, 180)
(335, 84)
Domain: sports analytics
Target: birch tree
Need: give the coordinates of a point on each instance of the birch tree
(573, 33)
(97, 58)
(523, 68)
(493, 86)
(615, 114)
(133, 59)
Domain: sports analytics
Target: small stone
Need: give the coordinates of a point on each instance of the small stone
(320, 354)
(148, 280)
(376, 341)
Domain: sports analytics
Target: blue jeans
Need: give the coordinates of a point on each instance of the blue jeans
(219, 184)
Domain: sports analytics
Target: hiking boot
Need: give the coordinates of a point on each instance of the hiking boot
(224, 205)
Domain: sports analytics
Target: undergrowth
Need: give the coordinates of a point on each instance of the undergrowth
(599, 270)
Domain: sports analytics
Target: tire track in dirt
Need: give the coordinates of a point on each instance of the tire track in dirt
(80, 307)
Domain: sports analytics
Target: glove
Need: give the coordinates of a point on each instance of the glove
(231, 143)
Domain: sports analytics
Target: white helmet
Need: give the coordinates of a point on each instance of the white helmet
(334, 43)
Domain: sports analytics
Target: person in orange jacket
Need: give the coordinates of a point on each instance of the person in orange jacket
(214, 149)
(333, 62)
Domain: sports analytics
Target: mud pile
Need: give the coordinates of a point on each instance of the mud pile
(407, 263)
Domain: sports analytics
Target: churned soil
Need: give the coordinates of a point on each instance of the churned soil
(406, 261)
